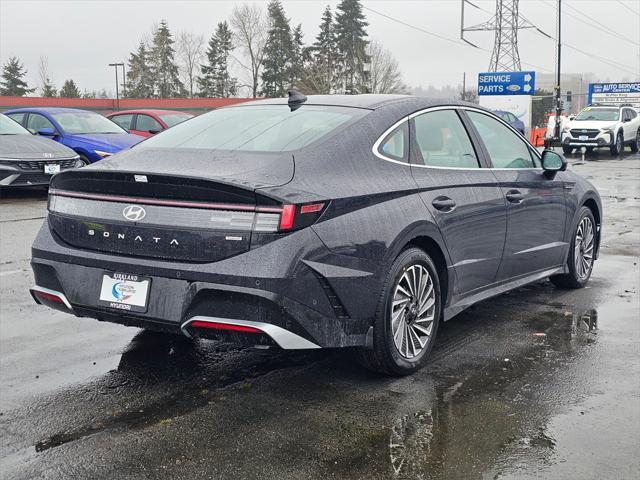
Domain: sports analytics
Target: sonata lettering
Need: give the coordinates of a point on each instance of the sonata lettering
(137, 238)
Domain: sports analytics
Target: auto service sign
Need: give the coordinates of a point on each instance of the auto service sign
(508, 91)
(615, 93)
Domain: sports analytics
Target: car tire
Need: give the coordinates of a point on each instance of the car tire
(396, 354)
(635, 146)
(579, 273)
(567, 150)
(84, 160)
(618, 147)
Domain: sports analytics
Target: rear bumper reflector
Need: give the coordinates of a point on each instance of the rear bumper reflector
(50, 298)
(284, 338)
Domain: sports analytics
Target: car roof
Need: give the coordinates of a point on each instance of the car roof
(409, 103)
(46, 110)
(153, 111)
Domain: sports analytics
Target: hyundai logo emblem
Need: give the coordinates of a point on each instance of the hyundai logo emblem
(134, 213)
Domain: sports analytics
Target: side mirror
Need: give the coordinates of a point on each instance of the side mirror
(626, 120)
(572, 118)
(153, 131)
(47, 132)
(553, 162)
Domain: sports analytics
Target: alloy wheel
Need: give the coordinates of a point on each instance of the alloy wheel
(583, 248)
(413, 311)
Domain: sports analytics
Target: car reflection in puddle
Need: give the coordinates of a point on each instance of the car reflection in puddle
(471, 427)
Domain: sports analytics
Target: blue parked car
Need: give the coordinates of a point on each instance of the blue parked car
(511, 119)
(91, 135)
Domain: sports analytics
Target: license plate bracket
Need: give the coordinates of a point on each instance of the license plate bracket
(51, 169)
(124, 291)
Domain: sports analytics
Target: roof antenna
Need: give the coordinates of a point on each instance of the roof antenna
(296, 99)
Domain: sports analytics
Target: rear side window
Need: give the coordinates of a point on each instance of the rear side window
(123, 120)
(505, 147)
(265, 128)
(395, 146)
(18, 117)
(443, 141)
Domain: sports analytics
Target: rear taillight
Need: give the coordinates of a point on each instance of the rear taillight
(299, 216)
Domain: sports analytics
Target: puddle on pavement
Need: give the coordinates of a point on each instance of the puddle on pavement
(466, 424)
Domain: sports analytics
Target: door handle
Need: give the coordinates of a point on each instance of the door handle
(444, 204)
(514, 196)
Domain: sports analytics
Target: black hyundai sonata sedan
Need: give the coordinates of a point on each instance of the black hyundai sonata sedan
(328, 221)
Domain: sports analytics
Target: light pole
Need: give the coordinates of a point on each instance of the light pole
(116, 65)
(557, 132)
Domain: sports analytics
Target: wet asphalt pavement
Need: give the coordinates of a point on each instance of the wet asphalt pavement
(537, 383)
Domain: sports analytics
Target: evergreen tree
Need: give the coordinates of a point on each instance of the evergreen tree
(278, 52)
(352, 44)
(300, 57)
(69, 90)
(163, 65)
(49, 89)
(139, 75)
(216, 80)
(324, 56)
(12, 83)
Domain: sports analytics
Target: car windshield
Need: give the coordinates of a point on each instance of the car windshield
(85, 122)
(172, 119)
(258, 128)
(11, 127)
(598, 114)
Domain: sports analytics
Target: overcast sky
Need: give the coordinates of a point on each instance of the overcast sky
(81, 37)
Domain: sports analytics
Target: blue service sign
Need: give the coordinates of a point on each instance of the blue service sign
(506, 83)
(615, 93)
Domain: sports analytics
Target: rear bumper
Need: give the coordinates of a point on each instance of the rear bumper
(270, 289)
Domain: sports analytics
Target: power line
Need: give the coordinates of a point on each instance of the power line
(628, 7)
(597, 25)
(441, 37)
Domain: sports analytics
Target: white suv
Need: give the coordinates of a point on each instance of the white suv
(603, 126)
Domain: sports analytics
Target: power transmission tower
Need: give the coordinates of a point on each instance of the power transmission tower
(506, 23)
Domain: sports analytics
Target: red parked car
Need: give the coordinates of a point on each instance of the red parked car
(148, 122)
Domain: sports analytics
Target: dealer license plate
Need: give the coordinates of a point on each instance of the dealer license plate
(51, 169)
(583, 137)
(125, 291)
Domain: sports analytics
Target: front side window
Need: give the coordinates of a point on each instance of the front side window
(257, 128)
(443, 141)
(37, 122)
(395, 145)
(123, 121)
(145, 123)
(79, 122)
(505, 147)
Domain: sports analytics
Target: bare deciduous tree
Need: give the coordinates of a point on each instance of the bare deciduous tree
(249, 25)
(190, 54)
(47, 89)
(385, 73)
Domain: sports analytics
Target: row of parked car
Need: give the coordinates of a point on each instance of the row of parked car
(36, 143)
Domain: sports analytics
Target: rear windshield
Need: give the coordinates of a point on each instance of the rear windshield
(602, 114)
(258, 128)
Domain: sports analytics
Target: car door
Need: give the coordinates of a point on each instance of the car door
(146, 125)
(536, 209)
(463, 197)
